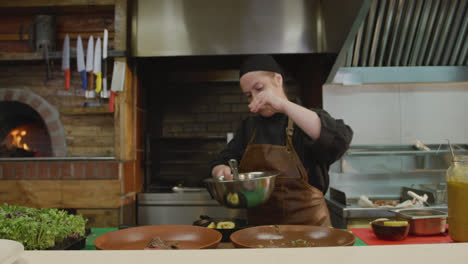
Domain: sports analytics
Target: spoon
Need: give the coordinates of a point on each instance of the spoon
(234, 170)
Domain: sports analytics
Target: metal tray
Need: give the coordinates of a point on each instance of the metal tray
(423, 222)
(414, 214)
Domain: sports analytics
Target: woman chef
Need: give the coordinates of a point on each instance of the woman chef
(299, 143)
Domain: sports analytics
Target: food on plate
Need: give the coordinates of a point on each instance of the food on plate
(386, 203)
(159, 243)
(225, 225)
(283, 243)
(395, 223)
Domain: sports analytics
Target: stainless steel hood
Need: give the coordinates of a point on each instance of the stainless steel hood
(231, 27)
(405, 41)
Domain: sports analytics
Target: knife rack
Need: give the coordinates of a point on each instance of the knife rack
(30, 56)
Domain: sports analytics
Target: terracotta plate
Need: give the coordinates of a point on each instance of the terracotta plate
(186, 236)
(291, 236)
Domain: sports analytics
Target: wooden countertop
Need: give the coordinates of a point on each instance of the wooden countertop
(427, 254)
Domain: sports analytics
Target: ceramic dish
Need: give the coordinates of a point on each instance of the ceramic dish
(285, 236)
(186, 237)
(10, 251)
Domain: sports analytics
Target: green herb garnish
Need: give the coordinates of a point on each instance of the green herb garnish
(39, 228)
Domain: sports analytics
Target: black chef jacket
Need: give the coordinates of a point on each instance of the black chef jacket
(316, 156)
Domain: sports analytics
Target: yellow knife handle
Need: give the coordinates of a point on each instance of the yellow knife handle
(98, 82)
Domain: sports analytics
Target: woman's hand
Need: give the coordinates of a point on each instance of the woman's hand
(266, 99)
(222, 170)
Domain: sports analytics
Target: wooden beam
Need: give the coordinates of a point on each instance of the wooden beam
(125, 144)
(72, 36)
(19, 56)
(123, 100)
(99, 110)
(120, 24)
(61, 193)
(100, 217)
(31, 3)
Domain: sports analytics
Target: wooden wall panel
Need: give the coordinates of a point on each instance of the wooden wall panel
(100, 217)
(61, 193)
(53, 3)
(80, 20)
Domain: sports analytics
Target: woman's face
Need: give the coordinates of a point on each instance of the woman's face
(255, 82)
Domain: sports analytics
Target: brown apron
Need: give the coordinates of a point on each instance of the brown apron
(293, 200)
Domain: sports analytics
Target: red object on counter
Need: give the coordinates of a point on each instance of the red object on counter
(368, 237)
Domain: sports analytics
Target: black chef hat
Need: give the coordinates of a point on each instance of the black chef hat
(260, 63)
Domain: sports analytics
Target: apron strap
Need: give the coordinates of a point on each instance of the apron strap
(289, 134)
(252, 137)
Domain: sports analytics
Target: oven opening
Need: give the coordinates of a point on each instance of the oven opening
(23, 132)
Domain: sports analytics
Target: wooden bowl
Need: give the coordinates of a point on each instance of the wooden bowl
(393, 233)
(186, 236)
(286, 236)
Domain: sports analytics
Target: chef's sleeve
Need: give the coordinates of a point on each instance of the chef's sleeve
(335, 138)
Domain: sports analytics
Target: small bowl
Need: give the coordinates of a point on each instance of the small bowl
(205, 221)
(392, 233)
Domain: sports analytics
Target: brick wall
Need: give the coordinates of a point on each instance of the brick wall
(210, 109)
(59, 170)
(78, 135)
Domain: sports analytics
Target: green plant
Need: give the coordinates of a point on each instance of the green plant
(39, 228)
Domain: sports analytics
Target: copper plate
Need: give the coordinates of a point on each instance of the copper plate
(283, 236)
(186, 236)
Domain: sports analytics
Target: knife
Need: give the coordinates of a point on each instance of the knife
(89, 68)
(104, 92)
(97, 65)
(80, 61)
(66, 61)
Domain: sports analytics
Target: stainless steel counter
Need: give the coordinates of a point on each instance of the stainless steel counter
(355, 211)
(382, 172)
(181, 208)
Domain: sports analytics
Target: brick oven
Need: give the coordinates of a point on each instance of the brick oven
(30, 124)
(54, 152)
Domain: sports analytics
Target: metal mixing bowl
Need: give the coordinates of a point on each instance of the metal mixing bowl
(250, 190)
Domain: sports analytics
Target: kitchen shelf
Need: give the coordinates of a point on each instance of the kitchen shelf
(92, 110)
(31, 56)
(53, 3)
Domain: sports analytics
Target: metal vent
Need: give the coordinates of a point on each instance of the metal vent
(411, 33)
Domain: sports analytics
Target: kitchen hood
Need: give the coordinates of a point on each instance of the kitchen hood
(405, 41)
(232, 27)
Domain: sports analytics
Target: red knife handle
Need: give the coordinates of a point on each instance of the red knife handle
(90, 81)
(111, 101)
(67, 78)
